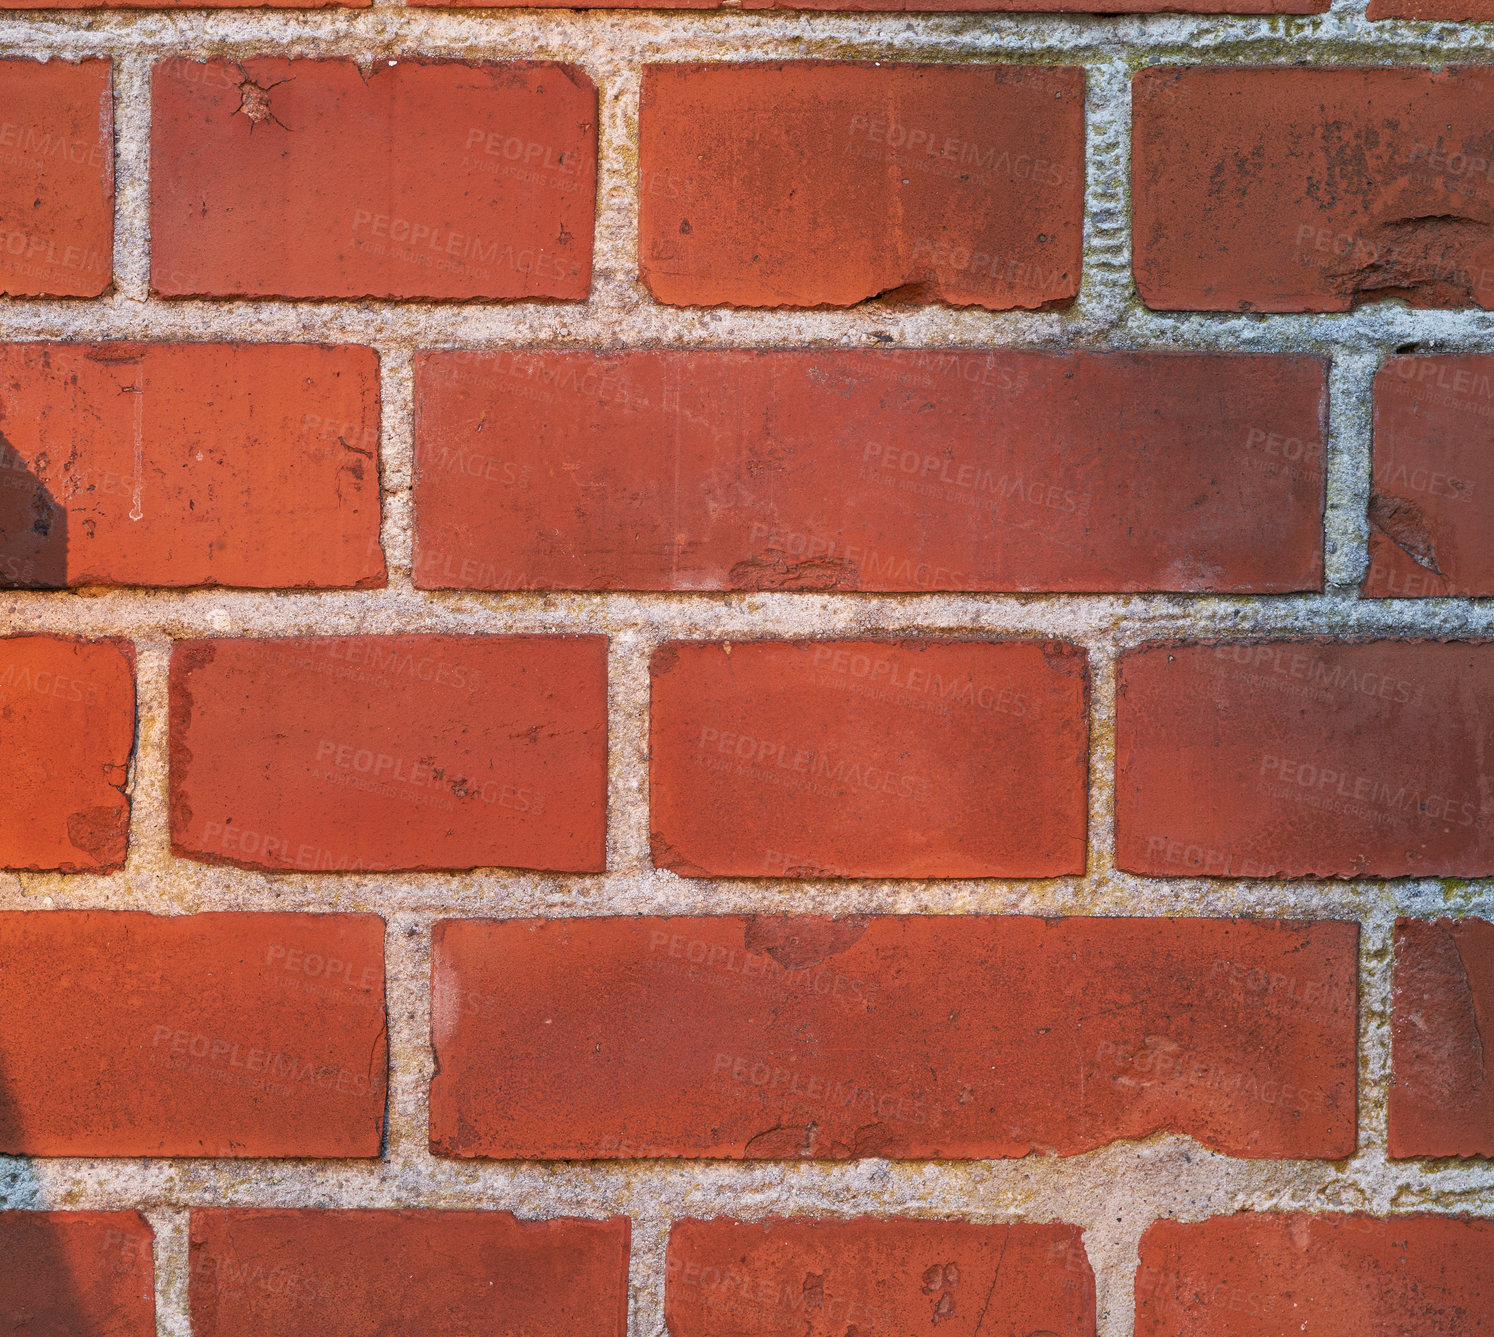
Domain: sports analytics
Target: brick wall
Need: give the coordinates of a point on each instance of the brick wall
(786, 673)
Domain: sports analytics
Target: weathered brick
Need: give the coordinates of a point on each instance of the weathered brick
(1311, 758)
(864, 470)
(826, 184)
(185, 4)
(385, 752)
(190, 464)
(932, 6)
(125, 1034)
(819, 1278)
(1442, 1029)
(304, 178)
(1311, 189)
(76, 1274)
(920, 1037)
(67, 734)
(1288, 1273)
(1466, 11)
(914, 758)
(301, 1273)
(56, 177)
(1431, 510)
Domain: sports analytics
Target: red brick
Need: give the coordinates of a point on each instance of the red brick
(926, 1037)
(67, 733)
(185, 4)
(190, 464)
(346, 1274)
(1468, 11)
(1431, 512)
(1285, 1274)
(869, 759)
(385, 752)
(304, 178)
(821, 1278)
(795, 184)
(57, 186)
(126, 1034)
(894, 470)
(1441, 1091)
(77, 1274)
(1302, 189)
(1305, 759)
(934, 6)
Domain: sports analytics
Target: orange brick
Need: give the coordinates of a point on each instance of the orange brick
(384, 752)
(254, 465)
(1288, 1273)
(304, 178)
(817, 1278)
(898, 469)
(125, 1034)
(56, 177)
(869, 759)
(1305, 759)
(826, 184)
(920, 1037)
(299, 1273)
(67, 734)
(1442, 1029)
(1302, 189)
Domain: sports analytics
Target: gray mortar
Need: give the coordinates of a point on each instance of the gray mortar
(1113, 1193)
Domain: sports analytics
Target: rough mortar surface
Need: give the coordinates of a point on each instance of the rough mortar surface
(1114, 1193)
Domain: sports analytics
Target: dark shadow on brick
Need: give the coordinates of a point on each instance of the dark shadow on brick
(33, 527)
